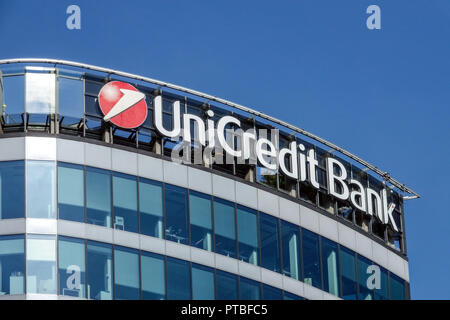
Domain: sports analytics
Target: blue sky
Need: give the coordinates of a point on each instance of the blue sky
(382, 94)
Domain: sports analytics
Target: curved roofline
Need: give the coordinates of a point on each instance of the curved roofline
(385, 175)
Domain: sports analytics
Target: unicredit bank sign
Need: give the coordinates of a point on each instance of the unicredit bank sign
(124, 106)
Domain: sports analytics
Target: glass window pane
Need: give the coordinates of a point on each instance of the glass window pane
(270, 245)
(202, 283)
(40, 92)
(99, 267)
(125, 202)
(247, 222)
(126, 273)
(330, 266)
(12, 264)
(311, 258)
(224, 224)
(12, 189)
(348, 267)
(70, 102)
(227, 286)
(271, 293)
(176, 214)
(178, 279)
(70, 192)
(363, 274)
(13, 99)
(71, 266)
(98, 197)
(153, 280)
(397, 288)
(382, 293)
(290, 237)
(41, 189)
(151, 208)
(201, 222)
(250, 290)
(41, 264)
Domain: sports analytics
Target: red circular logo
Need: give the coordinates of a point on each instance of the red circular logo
(122, 104)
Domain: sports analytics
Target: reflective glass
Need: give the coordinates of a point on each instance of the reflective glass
(290, 242)
(348, 269)
(70, 104)
(270, 244)
(12, 264)
(247, 222)
(41, 264)
(250, 290)
(397, 287)
(98, 197)
(12, 189)
(271, 293)
(311, 258)
(178, 279)
(201, 222)
(176, 214)
(71, 267)
(227, 286)
(151, 208)
(224, 224)
(126, 274)
(382, 293)
(330, 266)
(125, 202)
(202, 282)
(363, 274)
(99, 267)
(41, 189)
(13, 99)
(70, 192)
(153, 280)
(40, 97)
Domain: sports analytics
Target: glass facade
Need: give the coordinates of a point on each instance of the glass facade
(12, 189)
(200, 220)
(225, 227)
(176, 214)
(12, 264)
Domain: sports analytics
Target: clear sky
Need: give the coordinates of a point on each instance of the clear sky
(382, 94)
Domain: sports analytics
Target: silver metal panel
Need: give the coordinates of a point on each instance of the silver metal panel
(177, 250)
(41, 226)
(396, 265)
(309, 219)
(249, 271)
(126, 239)
(246, 195)
(289, 211)
(150, 168)
(223, 188)
(226, 264)
(97, 233)
(40, 296)
(202, 257)
(152, 244)
(328, 228)
(175, 173)
(293, 286)
(37, 148)
(347, 236)
(312, 293)
(97, 156)
(329, 296)
(380, 254)
(15, 148)
(70, 151)
(71, 229)
(273, 279)
(124, 161)
(199, 180)
(363, 245)
(12, 226)
(268, 203)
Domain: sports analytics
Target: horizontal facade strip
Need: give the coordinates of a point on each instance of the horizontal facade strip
(138, 164)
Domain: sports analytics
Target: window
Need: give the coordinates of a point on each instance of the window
(99, 266)
(12, 264)
(41, 264)
(250, 290)
(126, 273)
(382, 293)
(98, 197)
(348, 269)
(125, 202)
(151, 208)
(330, 266)
(202, 282)
(178, 279)
(70, 105)
(12, 189)
(70, 192)
(227, 286)
(247, 222)
(363, 267)
(41, 189)
(39, 95)
(71, 267)
(201, 221)
(311, 258)
(270, 244)
(153, 280)
(13, 99)
(290, 242)
(176, 214)
(224, 228)
(397, 288)
(271, 293)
